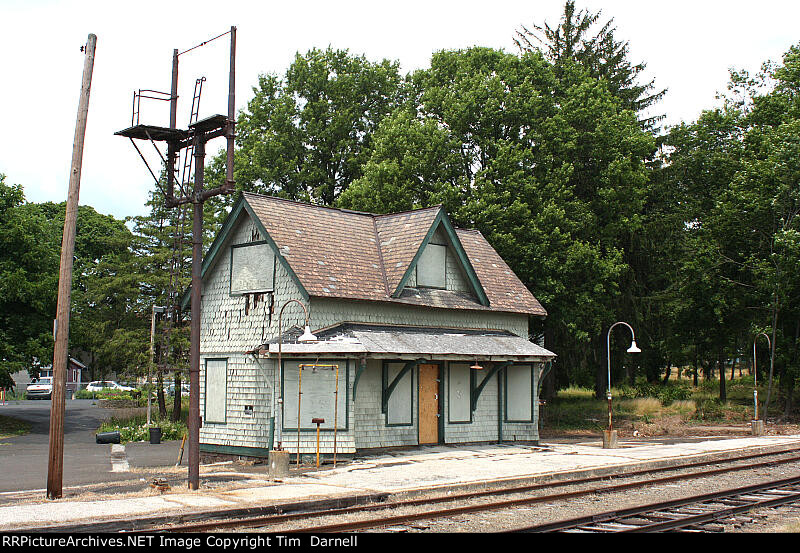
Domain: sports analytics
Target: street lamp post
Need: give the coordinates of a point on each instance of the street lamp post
(609, 436)
(306, 337)
(757, 425)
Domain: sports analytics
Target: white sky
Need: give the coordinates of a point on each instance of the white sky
(688, 47)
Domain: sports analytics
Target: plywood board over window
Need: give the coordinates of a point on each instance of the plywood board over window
(458, 393)
(252, 268)
(216, 388)
(318, 399)
(399, 408)
(431, 269)
(519, 393)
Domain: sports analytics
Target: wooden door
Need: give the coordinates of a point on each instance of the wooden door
(429, 404)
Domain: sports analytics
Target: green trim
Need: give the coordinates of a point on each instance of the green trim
(343, 383)
(471, 374)
(222, 236)
(505, 396)
(476, 393)
(359, 371)
(237, 450)
(472, 277)
(205, 389)
(386, 391)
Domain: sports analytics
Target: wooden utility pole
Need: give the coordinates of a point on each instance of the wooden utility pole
(55, 467)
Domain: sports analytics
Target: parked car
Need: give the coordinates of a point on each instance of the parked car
(40, 388)
(99, 385)
(184, 389)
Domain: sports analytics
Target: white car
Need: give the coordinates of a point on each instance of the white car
(40, 388)
(99, 385)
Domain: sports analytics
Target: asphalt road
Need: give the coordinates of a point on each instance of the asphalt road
(24, 459)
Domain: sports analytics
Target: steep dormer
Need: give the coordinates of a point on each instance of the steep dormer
(440, 263)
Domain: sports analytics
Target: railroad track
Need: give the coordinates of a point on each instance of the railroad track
(491, 503)
(688, 514)
(425, 508)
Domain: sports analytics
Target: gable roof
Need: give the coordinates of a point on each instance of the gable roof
(344, 254)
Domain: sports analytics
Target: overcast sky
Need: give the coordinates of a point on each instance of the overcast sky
(688, 47)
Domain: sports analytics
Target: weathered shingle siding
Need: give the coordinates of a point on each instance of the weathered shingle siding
(227, 332)
(248, 384)
(226, 325)
(371, 430)
(483, 427)
(327, 312)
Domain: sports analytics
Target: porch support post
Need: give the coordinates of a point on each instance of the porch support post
(362, 366)
(476, 393)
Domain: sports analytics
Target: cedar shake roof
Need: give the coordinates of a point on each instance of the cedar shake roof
(345, 254)
(400, 236)
(502, 286)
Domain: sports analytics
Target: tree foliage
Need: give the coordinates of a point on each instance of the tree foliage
(30, 250)
(305, 136)
(575, 40)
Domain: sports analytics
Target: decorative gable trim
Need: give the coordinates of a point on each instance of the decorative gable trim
(469, 270)
(217, 246)
(274, 246)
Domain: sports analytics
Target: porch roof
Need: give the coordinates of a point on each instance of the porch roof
(400, 342)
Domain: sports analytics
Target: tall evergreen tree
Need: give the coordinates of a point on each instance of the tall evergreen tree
(577, 38)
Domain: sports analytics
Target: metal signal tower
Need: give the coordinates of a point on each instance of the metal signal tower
(193, 139)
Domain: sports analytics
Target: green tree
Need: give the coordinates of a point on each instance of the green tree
(30, 248)
(28, 280)
(306, 136)
(549, 167)
(598, 51)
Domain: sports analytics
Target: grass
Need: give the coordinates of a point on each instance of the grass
(9, 426)
(653, 407)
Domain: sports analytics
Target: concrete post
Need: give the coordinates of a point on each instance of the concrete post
(278, 463)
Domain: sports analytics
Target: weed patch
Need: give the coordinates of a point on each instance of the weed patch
(9, 426)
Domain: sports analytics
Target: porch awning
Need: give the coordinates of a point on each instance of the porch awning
(395, 342)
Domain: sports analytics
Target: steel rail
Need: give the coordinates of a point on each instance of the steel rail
(676, 520)
(260, 516)
(261, 521)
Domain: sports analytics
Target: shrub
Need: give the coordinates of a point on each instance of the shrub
(674, 392)
(665, 393)
(135, 429)
(684, 407)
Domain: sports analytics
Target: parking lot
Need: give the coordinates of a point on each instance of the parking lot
(23, 459)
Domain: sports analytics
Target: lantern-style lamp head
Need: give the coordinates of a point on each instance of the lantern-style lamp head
(307, 336)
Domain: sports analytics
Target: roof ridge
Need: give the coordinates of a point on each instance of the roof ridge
(437, 206)
(340, 209)
(379, 247)
(307, 204)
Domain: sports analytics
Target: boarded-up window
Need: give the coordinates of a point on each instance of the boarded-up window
(519, 393)
(431, 267)
(216, 390)
(318, 398)
(458, 393)
(252, 268)
(400, 404)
